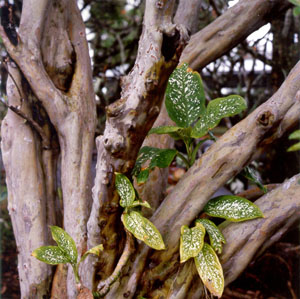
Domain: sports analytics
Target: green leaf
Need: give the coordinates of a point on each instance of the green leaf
(251, 175)
(164, 130)
(65, 243)
(295, 2)
(216, 110)
(191, 241)
(216, 238)
(95, 250)
(125, 190)
(210, 270)
(296, 11)
(295, 147)
(185, 99)
(137, 203)
(142, 177)
(233, 208)
(51, 255)
(158, 158)
(143, 229)
(295, 135)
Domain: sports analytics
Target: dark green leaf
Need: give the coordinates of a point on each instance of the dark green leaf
(51, 255)
(215, 236)
(191, 241)
(125, 190)
(216, 110)
(143, 229)
(233, 208)
(185, 99)
(210, 270)
(251, 175)
(164, 130)
(142, 177)
(65, 243)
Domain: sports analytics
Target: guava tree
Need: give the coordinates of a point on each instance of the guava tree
(51, 123)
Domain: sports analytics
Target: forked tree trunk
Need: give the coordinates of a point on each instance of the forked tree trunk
(52, 56)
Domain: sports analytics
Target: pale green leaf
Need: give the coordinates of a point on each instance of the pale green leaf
(296, 11)
(295, 135)
(137, 203)
(210, 270)
(295, 147)
(51, 255)
(185, 99)
(216, 238)
(65, 243)
(295, 2)
(125, 190)
(191, 241)
(216, 110)
(233, 208)
(143, 229)
(95, 250)
(251, 175)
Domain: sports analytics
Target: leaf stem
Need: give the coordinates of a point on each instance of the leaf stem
(184, 159)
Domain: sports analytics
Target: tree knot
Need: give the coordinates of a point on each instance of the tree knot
(266, 118)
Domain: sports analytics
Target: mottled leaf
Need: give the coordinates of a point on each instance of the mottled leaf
(295, 147)
(65, 243)
(125, 190)
(252, 176)
(210, 270)
(295, 135)
(143, 229)
(51, 255)
(216, 238)
(95, 250)
(216, 110)
(185, 99)
(157, 158)
(233, 208)
(191, 241)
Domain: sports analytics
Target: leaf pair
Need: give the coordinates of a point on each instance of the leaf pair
(295, 135)
(134, 222)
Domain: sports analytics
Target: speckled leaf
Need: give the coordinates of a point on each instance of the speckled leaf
(216, 238)
(125, 190)
(233, 208)
(295, 147)
(157, 158)
(185, 99)
(216, 110)
(210, 270)
(143, 229)
(191, 241)
(65, 243)
(51, 255)
(252, 176)
(295, 135)
(95, 250)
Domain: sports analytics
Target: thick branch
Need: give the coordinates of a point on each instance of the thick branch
(229, 29)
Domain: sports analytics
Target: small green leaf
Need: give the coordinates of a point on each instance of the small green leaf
(216, 238)
(143, 229)
(233, 208)
(142, 177)
(137, 203)
(191, 241)
(295, 147)
(296, 11)
(125, 190)
(65, 243)
(216, 110)
(295, 135)
(157, 158)
(210, 270)
(95, 250)
(164, 130)
(251, 175)
(185, 99)
(51, 255)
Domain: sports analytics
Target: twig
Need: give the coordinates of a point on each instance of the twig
(104, 286)
(256, 192)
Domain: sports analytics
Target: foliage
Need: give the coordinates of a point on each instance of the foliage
(296, 146)
(296, 10)
(65, 252)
